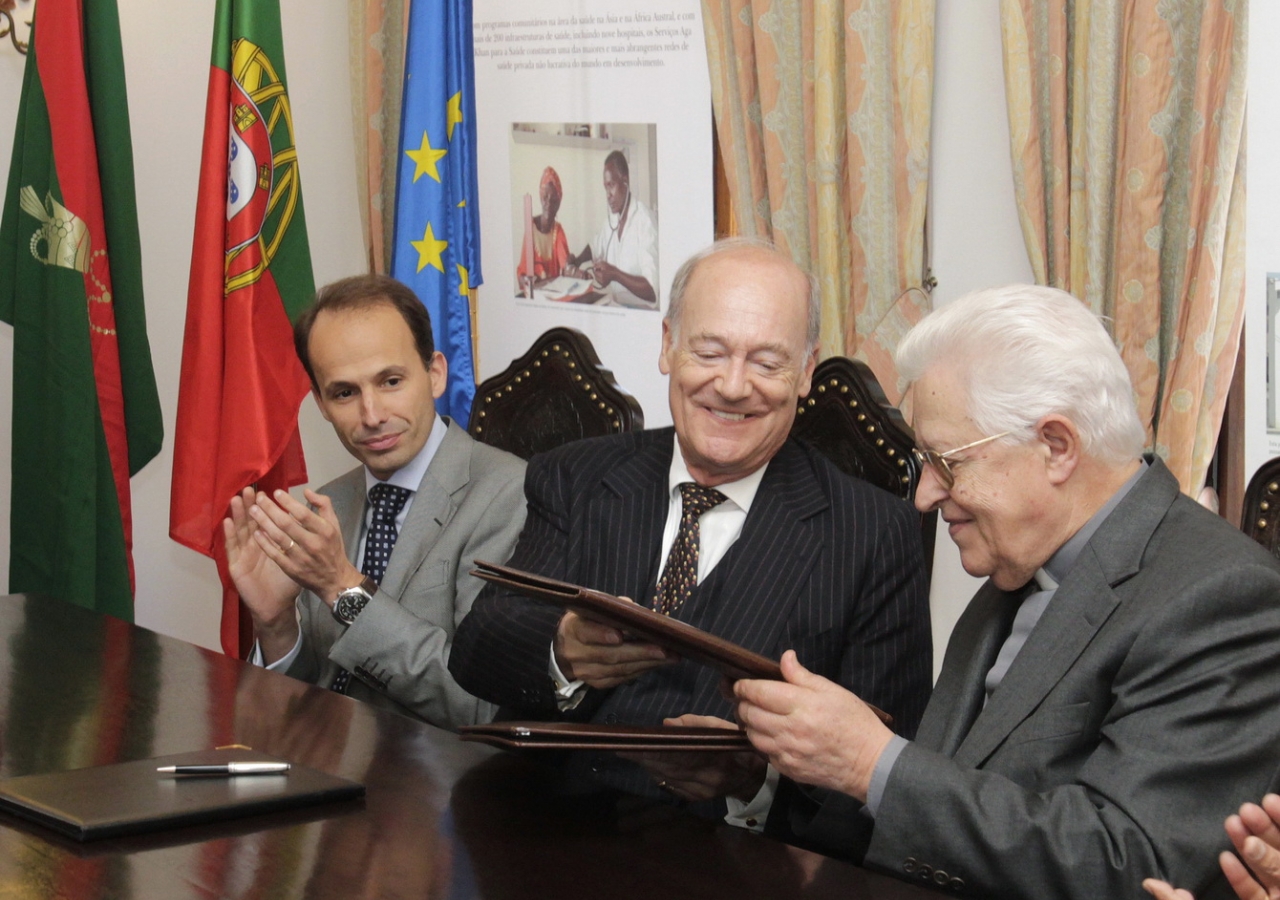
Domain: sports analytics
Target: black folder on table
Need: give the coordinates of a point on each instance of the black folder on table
(132, 797)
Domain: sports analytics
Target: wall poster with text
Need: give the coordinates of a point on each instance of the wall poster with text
(594, 127)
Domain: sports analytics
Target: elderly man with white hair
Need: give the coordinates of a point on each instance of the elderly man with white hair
(1112, 690)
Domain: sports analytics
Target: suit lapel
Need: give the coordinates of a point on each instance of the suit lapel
(626, 520)
(433, 507)
(347, 494)
(756, 600)
(1079, 608)
(958, 696)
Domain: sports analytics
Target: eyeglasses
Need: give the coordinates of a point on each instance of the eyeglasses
(941, 462)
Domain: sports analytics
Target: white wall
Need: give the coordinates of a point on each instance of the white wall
(975, 234)
(973, 218)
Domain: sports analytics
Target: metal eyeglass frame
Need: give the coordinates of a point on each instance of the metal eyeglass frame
(941, 462)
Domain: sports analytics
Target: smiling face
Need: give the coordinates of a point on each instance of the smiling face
(737, 362)
(1001, 511)
(373, 386)
(615, 189)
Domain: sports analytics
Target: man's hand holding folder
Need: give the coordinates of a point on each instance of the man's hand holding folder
(601, 655)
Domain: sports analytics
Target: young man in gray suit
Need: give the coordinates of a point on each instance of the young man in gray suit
(1112, 690)
(362, 591)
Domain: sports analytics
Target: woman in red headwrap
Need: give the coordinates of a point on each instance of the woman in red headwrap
(550, 246)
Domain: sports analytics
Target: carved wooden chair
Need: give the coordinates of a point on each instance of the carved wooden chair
(557, 392)
(1261, 516)
(847, 417)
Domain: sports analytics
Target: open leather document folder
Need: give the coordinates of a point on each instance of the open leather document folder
(642, 623)
(586, 736)
(132, 797)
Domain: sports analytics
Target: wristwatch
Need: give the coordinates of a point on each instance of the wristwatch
(354, 599)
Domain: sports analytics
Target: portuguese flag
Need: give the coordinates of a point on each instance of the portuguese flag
(241, 382)
(86, 415)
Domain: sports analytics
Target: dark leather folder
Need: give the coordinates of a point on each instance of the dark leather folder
(587, 736)
(726, 657)
(132, 797)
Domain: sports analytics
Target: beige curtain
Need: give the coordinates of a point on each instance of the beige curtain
(1127, 133)
(377, 29)
(822, 111)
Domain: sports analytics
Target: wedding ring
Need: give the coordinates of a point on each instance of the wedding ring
(290, 547)
(663, 786)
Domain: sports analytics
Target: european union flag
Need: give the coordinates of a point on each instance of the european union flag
(437, 232)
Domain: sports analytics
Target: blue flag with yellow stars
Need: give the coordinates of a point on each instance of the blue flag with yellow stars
(437, 232)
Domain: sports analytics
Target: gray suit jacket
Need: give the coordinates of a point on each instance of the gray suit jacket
(469, 505)
(1142, 710)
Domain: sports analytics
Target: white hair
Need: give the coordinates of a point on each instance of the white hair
(1024, 352)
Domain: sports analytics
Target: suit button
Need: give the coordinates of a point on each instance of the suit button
(940, 878)
(611, 719)
(956, 884)
(909, 866)
(925, 871)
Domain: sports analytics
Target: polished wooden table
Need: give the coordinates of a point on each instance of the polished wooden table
(441, 819)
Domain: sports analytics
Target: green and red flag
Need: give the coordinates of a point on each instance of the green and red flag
(241, 382)
(86, 415)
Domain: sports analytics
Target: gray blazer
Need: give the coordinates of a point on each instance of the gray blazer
(1143, 709)
(469, 505)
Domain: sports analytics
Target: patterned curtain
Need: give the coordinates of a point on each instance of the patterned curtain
(1127, 132)
(822, 112)
(377, 29)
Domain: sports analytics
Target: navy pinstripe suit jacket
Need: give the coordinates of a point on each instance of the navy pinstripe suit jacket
(826, 565)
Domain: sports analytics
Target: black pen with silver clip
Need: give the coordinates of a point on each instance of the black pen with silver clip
(234, 768)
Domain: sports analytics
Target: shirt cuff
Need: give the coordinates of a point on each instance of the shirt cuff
(753, 814)
(880, 776)
(284, 662)
(568, 693)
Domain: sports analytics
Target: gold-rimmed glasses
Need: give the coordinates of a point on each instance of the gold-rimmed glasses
(941, 462)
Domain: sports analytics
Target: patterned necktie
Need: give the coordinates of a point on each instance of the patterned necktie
(387, 500)
(680, 574)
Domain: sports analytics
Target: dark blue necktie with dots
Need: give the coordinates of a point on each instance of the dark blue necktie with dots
(387, 500)
(680, 574)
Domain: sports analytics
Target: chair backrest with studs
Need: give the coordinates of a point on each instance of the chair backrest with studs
(847, 417)
(1261, 517)
(555, 393)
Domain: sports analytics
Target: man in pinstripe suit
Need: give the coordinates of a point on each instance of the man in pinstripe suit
(793, 555)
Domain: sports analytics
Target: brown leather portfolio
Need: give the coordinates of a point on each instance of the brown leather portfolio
(643, 623)
(132, 797)
(726, 657)
(588, 736)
